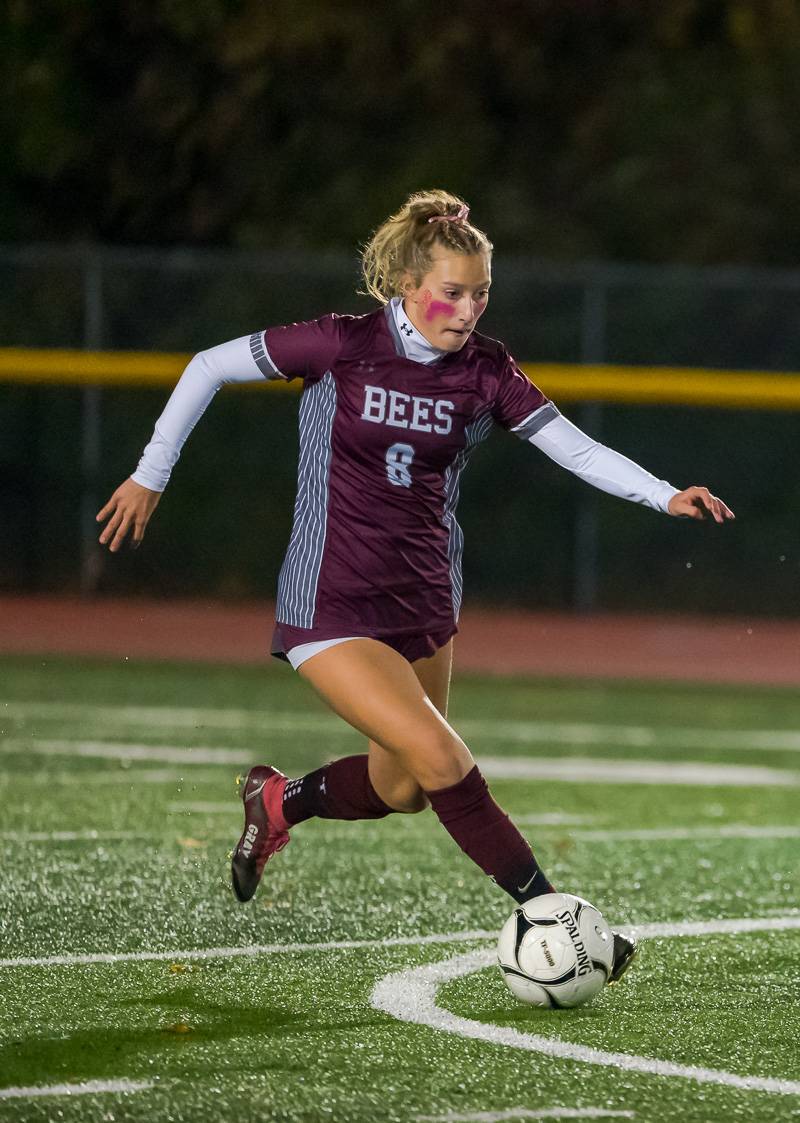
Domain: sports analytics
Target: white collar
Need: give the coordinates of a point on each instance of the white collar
(415, 346)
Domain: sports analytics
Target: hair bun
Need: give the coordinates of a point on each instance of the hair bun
(461, 216)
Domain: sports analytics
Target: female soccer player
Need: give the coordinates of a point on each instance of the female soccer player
(370, 589)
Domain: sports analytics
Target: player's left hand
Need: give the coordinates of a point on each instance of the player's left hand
(699, 503)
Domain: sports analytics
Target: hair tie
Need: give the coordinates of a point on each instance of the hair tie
(461, 216)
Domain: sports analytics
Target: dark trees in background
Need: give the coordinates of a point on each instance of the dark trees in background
(660, 130)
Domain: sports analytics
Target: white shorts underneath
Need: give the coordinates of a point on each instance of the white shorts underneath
(298, 655)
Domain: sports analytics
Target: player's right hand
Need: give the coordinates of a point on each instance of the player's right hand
(128, 511)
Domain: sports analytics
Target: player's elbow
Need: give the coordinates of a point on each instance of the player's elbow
(204, 366)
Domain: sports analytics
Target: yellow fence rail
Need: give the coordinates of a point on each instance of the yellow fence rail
(563, 382)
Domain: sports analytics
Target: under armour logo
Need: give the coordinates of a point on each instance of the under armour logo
(406, 328)
(322, 787)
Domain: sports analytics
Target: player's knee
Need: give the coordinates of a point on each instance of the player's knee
(407, 797)
(412, 802)
(441, 764)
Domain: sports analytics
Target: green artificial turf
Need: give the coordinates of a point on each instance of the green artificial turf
(126, 853)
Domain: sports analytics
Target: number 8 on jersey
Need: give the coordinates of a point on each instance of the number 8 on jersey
(398, 460)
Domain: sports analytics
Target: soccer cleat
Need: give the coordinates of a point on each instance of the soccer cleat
(265, 829)
(625, 948)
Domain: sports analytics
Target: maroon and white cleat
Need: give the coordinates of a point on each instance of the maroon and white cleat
(265, 829)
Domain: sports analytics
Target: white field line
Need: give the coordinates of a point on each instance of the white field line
(410, 996)
(646, 931)
(247, 952)
(88, 1088)
(123, 750)
(172, 717)
(730, 927)
(526, 1113)
(596, 770)
(548, 819)
(556, 819)
(677, 834)
(578, 770)
(232, 806)
(635, 736)
(674, 834)
(70, 836)
(129, 776)
(567, 733)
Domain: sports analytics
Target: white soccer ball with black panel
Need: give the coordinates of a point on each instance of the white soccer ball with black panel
(555, 950)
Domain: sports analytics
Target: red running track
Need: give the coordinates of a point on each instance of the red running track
(708, 649)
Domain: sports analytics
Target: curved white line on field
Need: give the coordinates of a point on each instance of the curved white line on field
(410, 996)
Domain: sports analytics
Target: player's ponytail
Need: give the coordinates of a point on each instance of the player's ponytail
(405, 242)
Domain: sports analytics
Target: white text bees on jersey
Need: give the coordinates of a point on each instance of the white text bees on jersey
(407, 411)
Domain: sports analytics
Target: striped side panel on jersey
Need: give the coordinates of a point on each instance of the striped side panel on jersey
(475, 432)
(299, 576)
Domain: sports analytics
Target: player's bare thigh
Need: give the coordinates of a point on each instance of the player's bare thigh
(390, 779)
(378, 692)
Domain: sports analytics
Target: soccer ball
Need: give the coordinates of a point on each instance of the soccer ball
(555, 950)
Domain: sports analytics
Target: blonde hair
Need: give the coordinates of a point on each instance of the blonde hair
(405, 242)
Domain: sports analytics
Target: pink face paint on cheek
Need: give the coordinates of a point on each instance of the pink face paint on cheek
(434, 308)
(439, 308)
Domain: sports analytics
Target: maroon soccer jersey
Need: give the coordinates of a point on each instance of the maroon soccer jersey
(375, 547)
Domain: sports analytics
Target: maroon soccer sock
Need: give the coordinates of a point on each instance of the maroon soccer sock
(339, 790)
(486, 834)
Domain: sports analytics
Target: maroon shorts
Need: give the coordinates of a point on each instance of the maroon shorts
(411, 646)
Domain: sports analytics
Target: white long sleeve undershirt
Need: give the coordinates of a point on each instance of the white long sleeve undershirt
(209, 370)
(203, 377)
(601, 466)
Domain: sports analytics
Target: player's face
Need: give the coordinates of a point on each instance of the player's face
(450, 299)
